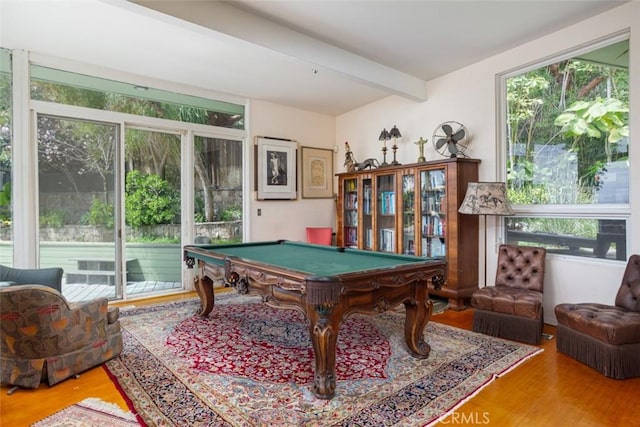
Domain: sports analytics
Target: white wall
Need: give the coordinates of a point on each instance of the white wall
(288, 219)
(469, 96)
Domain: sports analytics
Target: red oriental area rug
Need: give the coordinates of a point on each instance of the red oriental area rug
(256, 342)
(248, 364)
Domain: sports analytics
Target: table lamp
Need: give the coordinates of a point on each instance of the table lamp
(486, 198)
(395, 134)
(384, 137)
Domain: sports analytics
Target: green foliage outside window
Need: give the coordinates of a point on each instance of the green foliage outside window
(595, 119)
(199, 214)
(5, 204)
(53, 218)
(566, 122)
(75, 148)
(233, 213)
(568, 145)
(587, 228)
(150, 200)
(100, 214)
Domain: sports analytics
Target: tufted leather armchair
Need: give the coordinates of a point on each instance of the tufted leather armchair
(605, 337)
(512, 309)
(45, 338)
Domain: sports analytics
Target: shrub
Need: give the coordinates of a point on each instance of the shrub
(100, 214)
(232, 213)
(149, 238)
(198, 203)
(55, 219)
(5, 203)
(150, 200)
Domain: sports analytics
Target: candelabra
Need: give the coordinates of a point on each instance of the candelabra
(384, 137)
(395, 134)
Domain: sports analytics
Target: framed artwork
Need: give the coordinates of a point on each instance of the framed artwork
(317, 173)
(276, 168)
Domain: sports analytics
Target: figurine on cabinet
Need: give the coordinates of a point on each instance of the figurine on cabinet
(420, 143)
(367, 163)
(351, 165)
(349, 161)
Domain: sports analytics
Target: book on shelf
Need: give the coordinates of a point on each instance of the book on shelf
(366, 202)
(387, 203)
(351, 217)
(442, 206)
(350, 185)
(433, 225)
(387, 240)
(368, 238)
(351, 200)
(434, 247)
(351, 236)
(434, 203)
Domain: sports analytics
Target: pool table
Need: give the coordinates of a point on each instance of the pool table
(326, 284)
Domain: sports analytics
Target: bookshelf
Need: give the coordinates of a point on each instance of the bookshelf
(413, 209)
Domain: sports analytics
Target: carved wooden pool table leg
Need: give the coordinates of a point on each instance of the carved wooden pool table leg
(417, 316)
(324, 324)
(204, 287)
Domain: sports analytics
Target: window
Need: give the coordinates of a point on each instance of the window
(567, 157)
(113, 202)
(64, 87)
(6, 238)
(82, 160)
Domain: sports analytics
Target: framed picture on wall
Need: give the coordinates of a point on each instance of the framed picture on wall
(276, 168)
(317, 173)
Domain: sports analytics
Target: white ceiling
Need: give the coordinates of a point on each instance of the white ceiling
(324, 56)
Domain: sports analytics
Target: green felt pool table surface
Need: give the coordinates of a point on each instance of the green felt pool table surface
(317, 260)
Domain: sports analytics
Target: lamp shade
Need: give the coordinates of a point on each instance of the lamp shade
(486, 198)
(395, 132)
(384, 135)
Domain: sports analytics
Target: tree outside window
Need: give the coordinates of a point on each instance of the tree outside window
(567, 153)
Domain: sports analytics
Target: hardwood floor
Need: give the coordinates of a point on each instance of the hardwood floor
(550, 389)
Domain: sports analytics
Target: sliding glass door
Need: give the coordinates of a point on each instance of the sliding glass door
(76, 203)
(111, 202)
(79, 208)
(152, 207)
(218, 195)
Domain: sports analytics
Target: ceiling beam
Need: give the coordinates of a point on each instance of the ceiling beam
(262, 33)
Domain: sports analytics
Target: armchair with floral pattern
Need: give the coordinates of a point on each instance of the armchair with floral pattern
(46, 338)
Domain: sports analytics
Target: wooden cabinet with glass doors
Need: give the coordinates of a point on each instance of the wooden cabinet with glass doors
(413, 209)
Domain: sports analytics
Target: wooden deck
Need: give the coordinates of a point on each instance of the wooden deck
(76, 292)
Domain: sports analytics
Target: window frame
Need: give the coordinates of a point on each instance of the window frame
(621, 211)
(25, 112)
